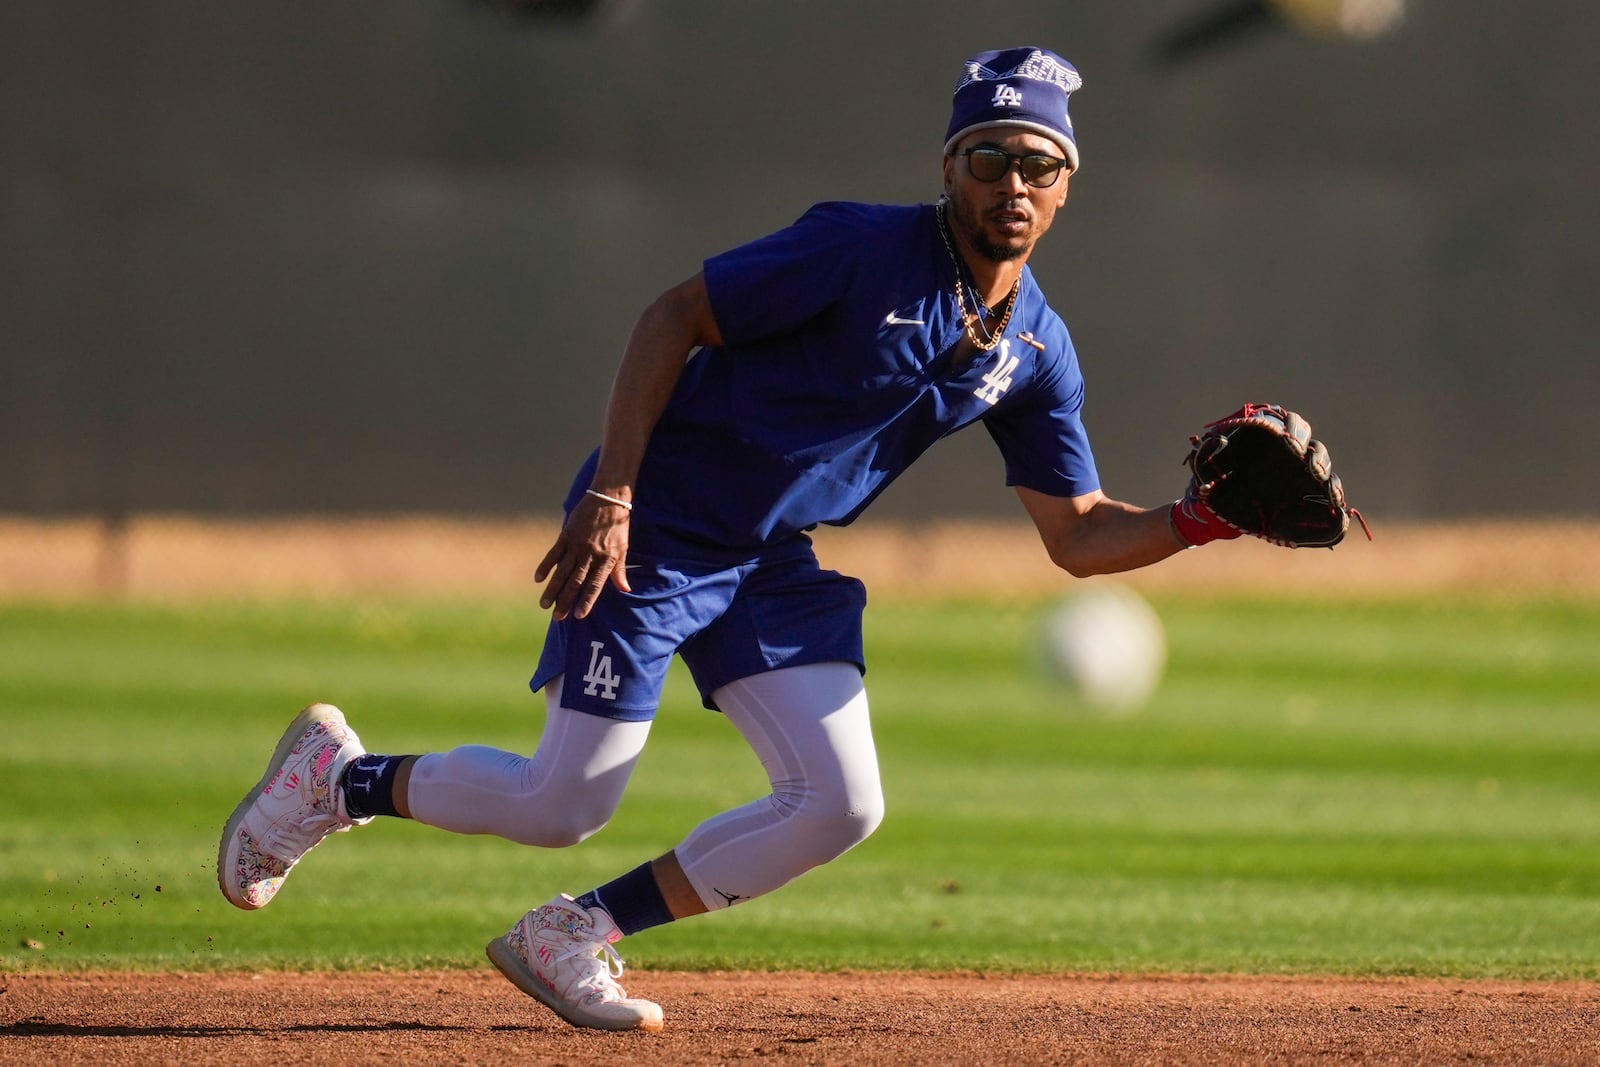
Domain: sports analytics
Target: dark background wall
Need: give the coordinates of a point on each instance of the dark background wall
(374, 256)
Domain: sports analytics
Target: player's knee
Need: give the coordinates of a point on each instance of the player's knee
(854, 826)
(865, 809)
(833, 828)
(865, 816)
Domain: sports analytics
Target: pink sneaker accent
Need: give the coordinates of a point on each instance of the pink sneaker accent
(561, 954)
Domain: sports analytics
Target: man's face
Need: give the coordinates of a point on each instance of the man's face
(1002, 219)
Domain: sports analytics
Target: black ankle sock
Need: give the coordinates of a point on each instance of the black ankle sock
(368, 785)
(633, 901)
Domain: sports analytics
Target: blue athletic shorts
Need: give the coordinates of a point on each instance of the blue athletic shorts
(728, 621)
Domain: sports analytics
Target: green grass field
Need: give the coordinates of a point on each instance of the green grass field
(1351, 788)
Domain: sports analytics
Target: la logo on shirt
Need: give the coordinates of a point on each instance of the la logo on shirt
(997, 379)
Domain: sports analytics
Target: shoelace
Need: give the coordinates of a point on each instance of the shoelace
(320, 824)
(301, 835)
(305, 832)
(607, 965)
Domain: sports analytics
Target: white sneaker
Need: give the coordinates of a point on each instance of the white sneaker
(296, 804)
(561, 954)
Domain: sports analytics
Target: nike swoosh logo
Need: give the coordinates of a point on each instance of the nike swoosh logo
(892, 319)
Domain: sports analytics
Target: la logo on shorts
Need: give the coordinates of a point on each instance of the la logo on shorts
(600, 680)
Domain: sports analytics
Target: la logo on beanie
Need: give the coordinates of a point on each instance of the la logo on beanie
(1006, 96)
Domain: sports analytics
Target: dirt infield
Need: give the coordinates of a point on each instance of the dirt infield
(744, 1018)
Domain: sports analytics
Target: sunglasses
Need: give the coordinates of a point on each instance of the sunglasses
(1038, 169)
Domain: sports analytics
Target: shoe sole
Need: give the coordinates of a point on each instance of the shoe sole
(511, 964)
(304, 721)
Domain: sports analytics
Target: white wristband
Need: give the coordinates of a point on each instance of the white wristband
(618, 501)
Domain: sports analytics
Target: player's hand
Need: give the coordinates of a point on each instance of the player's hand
(591, 549)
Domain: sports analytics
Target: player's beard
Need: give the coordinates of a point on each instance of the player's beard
(967, 220)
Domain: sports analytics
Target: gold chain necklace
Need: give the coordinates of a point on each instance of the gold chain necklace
(989, 341)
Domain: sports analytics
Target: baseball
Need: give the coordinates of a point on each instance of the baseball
(1108, 645)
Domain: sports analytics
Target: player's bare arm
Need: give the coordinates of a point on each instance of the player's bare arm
(592, 547)
(1094, 534)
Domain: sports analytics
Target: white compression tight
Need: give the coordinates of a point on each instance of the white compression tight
(563, 793)
(810, 728)
(808, 725)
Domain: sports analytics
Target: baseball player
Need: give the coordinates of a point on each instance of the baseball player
(784, 385)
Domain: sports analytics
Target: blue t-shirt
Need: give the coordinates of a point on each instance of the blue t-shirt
(837, 371)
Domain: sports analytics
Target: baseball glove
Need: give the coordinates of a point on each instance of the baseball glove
(1261, 472)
